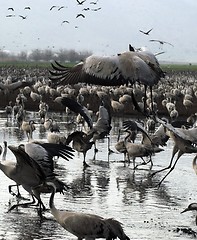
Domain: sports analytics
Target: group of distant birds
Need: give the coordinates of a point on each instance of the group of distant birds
(35, 158)
(79, 15)
(13, 15)
(161, 42)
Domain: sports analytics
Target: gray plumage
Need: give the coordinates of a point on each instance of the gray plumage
(76, 107)
(124, 68)
(184, 142)
(9, 87)
(33, 165)
(86, 226)
(81, 143)
(191, 207)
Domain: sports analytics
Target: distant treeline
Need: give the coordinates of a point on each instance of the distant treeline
(36, 55)
(43, 58)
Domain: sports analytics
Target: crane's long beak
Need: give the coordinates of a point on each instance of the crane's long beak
(186, 210)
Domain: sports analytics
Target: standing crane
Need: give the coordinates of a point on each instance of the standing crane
(98, 130)
(81, 143)
(84, 225)
(102, 126)
(124, 68)
(28, 127)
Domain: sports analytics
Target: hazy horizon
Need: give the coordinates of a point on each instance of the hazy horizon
(107, 28)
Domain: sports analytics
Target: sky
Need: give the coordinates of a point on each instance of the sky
(108, 27)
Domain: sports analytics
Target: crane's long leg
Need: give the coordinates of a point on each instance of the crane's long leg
(22, 204)
(85, 165)
(18, 195)
(175, 150)
(151, 162)
(109, 149)
(151, 97)
(145, 90)
(179, 155)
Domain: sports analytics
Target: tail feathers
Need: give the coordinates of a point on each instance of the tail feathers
(116, 230)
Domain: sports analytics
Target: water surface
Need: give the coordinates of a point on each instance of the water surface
(106, 188)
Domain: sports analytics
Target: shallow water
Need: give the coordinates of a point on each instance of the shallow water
(108, 189)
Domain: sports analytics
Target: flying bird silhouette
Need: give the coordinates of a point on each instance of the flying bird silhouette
(146, 33)
(96, 9)
(53, 7)
(161, 42)
(10, 8)
(23, 17)
(65, 21)
(60, 8)
(80, 15)
(85, 9)
(80, 3)
(10, 15)
(27, 8)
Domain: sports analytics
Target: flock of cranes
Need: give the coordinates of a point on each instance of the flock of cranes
(34, 166)
(87, 7)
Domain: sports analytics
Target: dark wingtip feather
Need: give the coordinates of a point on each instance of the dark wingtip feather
(77, 108)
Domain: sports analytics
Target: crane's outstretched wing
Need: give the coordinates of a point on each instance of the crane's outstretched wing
(135, 126)
(46, 151)
(23, 159)
(58, 150)
(124, 68)
(94, 70)
(176, 131)
(75, 107)
(78, 135)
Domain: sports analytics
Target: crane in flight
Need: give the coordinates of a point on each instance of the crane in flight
(128, 67)
(161, 42)
(147, 32)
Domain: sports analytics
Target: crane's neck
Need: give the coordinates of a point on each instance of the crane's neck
(127, 137)
(4, 151)
(51, 200)
(54, 210)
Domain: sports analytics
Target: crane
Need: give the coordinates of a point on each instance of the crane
(137, 150)
(102, 127)
(76, 107)
(28, 127)
(81, 143)
(33, 165)
(98, 130)
(146, 32)
(84, 225)
(4, 163)
(147, 147)
(124, 68)
(184, 140)
(191, 207)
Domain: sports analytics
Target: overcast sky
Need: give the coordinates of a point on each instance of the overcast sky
(107, 31)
